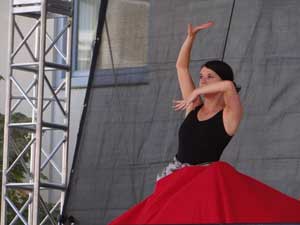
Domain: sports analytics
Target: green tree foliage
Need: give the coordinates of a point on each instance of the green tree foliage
(18, 141)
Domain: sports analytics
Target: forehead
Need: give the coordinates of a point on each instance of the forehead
(204, 70)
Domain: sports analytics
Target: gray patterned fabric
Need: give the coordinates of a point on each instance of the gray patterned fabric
(175, 165)
(131, 130)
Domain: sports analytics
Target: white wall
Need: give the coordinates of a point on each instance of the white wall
(3, 47)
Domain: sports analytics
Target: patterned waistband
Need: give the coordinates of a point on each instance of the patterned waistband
(175, 165)
(198, 164)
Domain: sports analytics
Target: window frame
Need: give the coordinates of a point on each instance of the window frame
(103, 77)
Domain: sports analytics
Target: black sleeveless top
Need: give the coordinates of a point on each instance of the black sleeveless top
(201, 141)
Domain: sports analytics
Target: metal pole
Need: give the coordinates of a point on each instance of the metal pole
(7, 115)
(33, 116)
(39, 124)
(67, 110)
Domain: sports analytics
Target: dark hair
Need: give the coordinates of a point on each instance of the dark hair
(223, 70)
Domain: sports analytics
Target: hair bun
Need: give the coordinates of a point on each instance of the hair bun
(237, 87)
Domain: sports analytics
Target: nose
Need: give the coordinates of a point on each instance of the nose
(203, 81)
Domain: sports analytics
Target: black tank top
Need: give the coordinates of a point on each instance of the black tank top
(201, 141)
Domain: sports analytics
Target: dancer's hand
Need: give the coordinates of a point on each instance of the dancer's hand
(184, 103)
(192, 31)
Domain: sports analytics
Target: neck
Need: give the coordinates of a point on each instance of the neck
(213, 103)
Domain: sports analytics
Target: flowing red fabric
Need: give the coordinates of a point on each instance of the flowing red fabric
(216, 193)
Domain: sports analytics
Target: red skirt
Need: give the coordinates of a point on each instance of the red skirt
(216, 193)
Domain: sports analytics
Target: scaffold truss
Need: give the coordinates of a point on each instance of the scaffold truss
(31, 83)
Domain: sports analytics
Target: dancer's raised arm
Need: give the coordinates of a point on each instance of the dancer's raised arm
(182, 65)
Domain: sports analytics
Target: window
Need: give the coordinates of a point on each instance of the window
(123, 55)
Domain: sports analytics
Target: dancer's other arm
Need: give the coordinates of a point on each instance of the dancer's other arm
(186, 83)
(232, 100)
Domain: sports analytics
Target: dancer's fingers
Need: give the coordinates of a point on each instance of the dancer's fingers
(176, 108)
(178, 101)
(204, 26)
(179, 106)
(190, 28)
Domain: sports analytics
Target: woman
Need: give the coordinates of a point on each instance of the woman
(196, 187)
(222, 104)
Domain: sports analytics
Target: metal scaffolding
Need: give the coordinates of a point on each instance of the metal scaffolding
(47, 58)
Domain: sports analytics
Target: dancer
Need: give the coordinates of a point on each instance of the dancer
(196, 187)
(209, 125)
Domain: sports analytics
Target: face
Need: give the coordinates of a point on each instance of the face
(208, 76)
